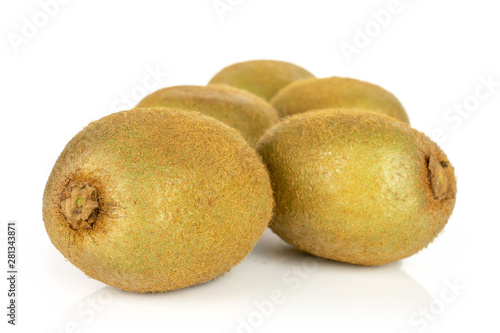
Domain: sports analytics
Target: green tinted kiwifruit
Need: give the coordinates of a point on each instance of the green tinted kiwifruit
(336, 92)
(248, 113)
(356, 186)
(152, 200)
(263, 78)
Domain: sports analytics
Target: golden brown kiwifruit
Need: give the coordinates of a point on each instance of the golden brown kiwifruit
(336, 92)
(356, 186)
(152, 200)
(263, 78)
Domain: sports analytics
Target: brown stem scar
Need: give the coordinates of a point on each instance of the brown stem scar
(79, 206)
(438, 178)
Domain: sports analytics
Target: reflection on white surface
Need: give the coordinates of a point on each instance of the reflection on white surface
(270, 291)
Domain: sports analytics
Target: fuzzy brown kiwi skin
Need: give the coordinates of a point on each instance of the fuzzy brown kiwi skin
(152, 200)
(356, 186)
(244, 111)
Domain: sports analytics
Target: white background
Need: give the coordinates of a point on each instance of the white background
(90, 55)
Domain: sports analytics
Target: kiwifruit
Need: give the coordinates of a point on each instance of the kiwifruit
(248, 113)
(336, 92)
(356, 186)
(261, 77)
(151, 200)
